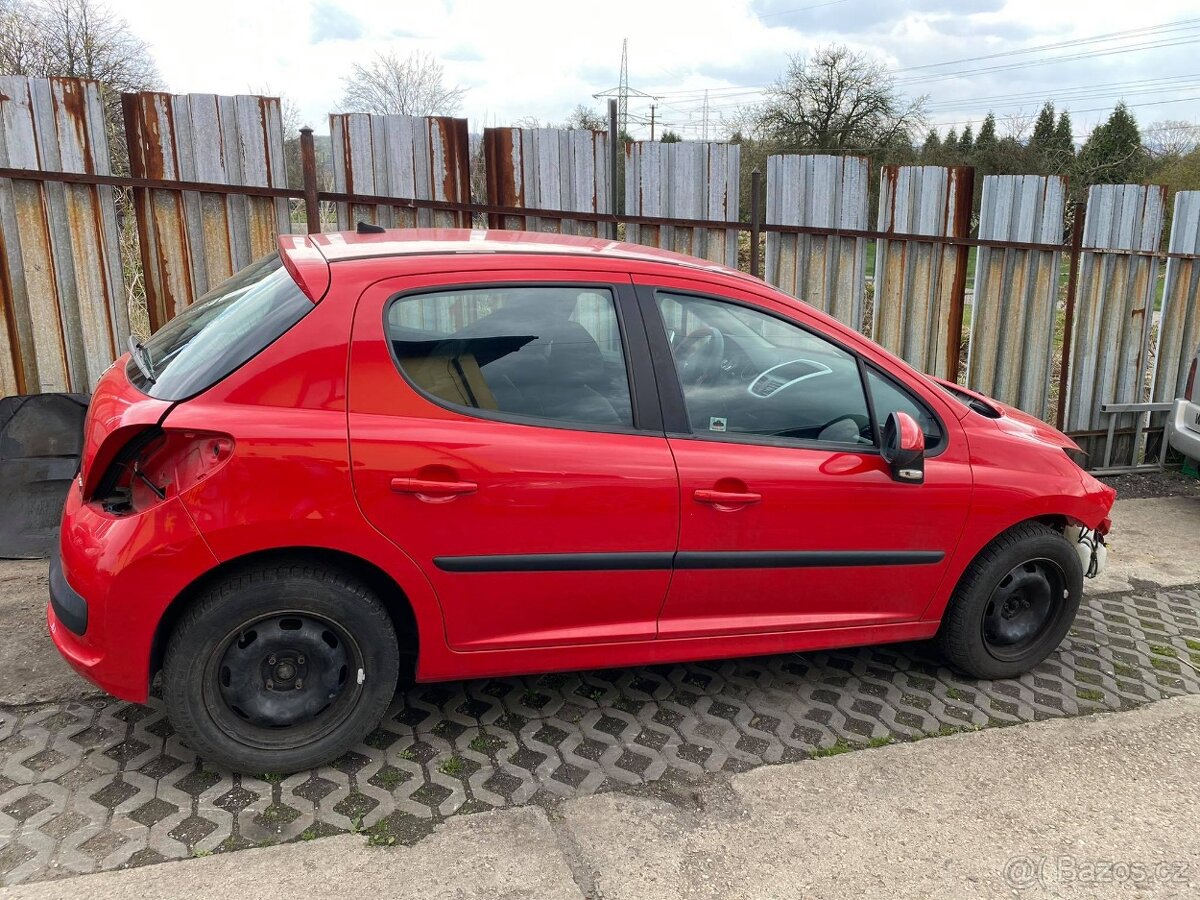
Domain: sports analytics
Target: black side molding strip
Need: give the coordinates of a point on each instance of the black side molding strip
(725, 559)
(555, 562)
(805, 559)
(70, 608)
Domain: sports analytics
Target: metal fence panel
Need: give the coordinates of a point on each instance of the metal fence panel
(61, 286)
(547, 168)
(191, 242)
(409, 157)
(1179, 323)
(819, 192)
(684, 180)
(1114, 307)
(919, 286)
(1015, 303)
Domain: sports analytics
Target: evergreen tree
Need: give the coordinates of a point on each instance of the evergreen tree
(1114, 153)
(1043, 128)
(670, 137)
(951, 141)
(1064, 138)
(966, 143)
(932, 147)
(986, 141)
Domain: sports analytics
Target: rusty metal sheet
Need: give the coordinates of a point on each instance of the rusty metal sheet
(65, 315)
(408, 157)
(818, 191)
(919, 286)
(1179, 322)
(547, 168)
(190, 241)
(1015, 298)
(684, 180)
(1113, 310)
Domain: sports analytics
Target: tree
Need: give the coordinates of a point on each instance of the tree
(412, 86)
(76, 39)
(587, 119)
(931, 150)
(966, 143)
(1043, 128)
(1172, 138)
(1064, 136)
(838, 99)
(1113, 153)
(985, 142)
(670, 137)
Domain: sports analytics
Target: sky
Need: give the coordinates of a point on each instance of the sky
(522, 59)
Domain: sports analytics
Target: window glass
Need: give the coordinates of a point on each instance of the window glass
(545, 352)
(888, 397)
(746, 372)
(219, 332)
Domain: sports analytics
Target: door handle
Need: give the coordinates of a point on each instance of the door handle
(434, 488)
(727, 498)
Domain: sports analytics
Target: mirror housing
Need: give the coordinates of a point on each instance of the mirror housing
(904, 448)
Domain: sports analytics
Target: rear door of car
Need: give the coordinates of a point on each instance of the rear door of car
(505, 433)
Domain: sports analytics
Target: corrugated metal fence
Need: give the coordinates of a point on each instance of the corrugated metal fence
(411, 157)
(684, 180)
(191, 241)
(918, 285)
(1015, 300)
(211, 194)
(551, 169)
(816, 191)
(1117, 280)
(63, 298)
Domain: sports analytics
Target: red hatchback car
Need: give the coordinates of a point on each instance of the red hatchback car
(457, 454)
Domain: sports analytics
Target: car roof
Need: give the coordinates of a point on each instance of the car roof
(339, 246)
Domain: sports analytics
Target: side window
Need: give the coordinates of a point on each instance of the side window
(888, 397)
(746, 372)
(543, 352)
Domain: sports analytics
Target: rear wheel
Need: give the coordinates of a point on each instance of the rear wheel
(1014, 604)
(280, 668)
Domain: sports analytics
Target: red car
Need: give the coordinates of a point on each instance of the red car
(456, 454)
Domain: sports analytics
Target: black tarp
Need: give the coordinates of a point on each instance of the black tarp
(41, 437)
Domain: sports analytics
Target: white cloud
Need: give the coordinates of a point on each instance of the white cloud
(542, 57)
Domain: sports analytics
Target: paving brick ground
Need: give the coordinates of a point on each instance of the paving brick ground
(101, 785)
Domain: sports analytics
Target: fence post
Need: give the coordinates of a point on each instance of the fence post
(308, 165)
(1064, 368)
(755, 220)
(614, 146)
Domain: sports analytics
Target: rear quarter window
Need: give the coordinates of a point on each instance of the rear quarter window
(220, 332)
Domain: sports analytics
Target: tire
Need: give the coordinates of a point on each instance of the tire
(1014, 604)
(235, 670)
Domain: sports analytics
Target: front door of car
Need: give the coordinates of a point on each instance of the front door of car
(790, 519)
(503, 436)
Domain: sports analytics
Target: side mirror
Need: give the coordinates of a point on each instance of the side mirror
(904, 448)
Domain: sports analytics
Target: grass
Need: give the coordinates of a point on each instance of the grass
(452, 766)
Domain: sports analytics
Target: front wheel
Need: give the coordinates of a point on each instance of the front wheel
(280, 668)
(1014, 604)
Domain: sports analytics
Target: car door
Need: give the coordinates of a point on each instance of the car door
(790, 519)
(499, 436)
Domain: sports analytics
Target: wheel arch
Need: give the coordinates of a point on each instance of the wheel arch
(385, 587)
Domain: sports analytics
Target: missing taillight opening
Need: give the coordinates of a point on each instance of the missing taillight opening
(157, 464)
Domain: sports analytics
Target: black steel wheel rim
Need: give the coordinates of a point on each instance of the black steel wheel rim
(1023, 608)
(283, 680)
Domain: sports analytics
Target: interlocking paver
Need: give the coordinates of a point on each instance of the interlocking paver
(99, 784)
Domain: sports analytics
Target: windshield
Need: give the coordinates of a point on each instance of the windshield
(219, 332)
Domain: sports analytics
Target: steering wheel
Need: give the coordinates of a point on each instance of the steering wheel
(699, 355)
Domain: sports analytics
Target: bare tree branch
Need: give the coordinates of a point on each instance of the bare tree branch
(413, 86)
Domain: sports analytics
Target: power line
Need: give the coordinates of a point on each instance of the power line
(788, 12)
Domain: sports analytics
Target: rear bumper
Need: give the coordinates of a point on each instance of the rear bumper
(1183, 428)
(111, 583)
